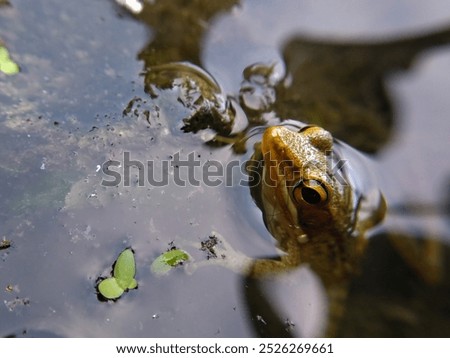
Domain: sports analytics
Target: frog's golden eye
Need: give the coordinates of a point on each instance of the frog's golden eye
(311, 192)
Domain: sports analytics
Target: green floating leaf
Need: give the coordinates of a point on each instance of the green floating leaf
(4, 54)
(110, 289)
(7, 65)
(132, 285)
(175, 257)
(165, 262)
(123, 277)
(125, 269)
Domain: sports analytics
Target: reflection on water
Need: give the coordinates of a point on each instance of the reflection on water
(178, 29)
(76, 106)
(342, 86)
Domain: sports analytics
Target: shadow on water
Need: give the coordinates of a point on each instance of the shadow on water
(178, 29)
(341, 86)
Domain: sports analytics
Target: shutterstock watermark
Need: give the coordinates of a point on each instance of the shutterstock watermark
(182, 171)
(189, 170)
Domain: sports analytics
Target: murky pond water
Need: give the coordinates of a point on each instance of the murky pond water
(100, 89)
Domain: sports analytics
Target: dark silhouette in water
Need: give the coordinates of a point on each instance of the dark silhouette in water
(341, 86)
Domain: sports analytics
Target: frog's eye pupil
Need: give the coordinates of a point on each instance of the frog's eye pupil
(311, 192)
(311, 196)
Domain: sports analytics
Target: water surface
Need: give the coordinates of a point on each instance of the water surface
(86, 95)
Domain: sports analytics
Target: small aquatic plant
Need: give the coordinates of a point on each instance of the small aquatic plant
(7, 65)
(168, 260)
(123, 279)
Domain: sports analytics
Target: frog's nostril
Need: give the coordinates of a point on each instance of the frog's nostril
(275, 131)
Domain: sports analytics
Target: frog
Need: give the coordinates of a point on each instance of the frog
(309, 206)
(318, 215)
(312, 209)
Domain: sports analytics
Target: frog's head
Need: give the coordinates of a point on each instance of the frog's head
(305, 191)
